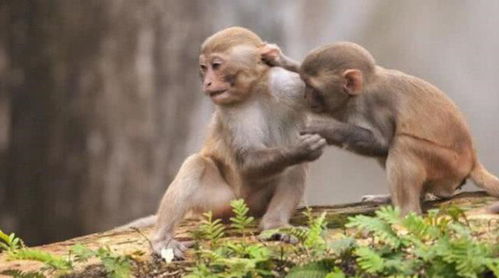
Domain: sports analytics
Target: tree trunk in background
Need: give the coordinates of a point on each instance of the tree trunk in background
(101, 94)
(4, 107)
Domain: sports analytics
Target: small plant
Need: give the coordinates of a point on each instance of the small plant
(116, 266)
(10, 243)
(438, 245)
(231, 258)
(210, 229)
(241, 221)
(20, 274)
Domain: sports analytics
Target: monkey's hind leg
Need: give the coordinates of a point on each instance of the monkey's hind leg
(285, 200)
(197, 186)
(406, 176)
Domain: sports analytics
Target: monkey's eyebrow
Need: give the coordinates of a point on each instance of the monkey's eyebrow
(216, 59)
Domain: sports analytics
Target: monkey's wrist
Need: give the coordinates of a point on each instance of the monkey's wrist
(294, 154)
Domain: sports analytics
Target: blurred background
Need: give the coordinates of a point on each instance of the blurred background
(100, 101)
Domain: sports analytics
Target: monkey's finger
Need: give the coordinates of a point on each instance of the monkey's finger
(305, 136)
(310, 142)
(319, 144)
(314, 138)
(178, 254)
(184, 245)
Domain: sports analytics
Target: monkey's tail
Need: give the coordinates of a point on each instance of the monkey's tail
(482, 178)
(139, 223)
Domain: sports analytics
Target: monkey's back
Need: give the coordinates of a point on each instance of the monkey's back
(425, 112)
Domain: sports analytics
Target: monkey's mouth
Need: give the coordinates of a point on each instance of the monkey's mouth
(214, 94)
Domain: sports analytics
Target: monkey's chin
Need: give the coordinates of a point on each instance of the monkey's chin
(222, 98)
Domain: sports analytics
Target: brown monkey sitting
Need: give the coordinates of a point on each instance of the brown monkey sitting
(253, 150)
(416, 132)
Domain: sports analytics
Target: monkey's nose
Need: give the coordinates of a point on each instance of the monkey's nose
(206, 86)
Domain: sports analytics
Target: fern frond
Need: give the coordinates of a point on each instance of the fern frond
(389, 214)
(241, 220)
(211, 229)
(53, 261)
(369, 261)
(10, 242)
(376, 226)
(318, 269)
(22, 274)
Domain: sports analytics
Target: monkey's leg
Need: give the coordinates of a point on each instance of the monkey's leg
(405, 176)
(287, 196)
(197, 186)
(378, 198)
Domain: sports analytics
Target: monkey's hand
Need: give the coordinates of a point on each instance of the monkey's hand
(177, 247)
(271, 54)
(309, 147)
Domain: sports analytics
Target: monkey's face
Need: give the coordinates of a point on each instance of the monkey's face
(227, 77)
(324, 92)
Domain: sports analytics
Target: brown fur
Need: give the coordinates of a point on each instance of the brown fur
(407, 123)
(253, 150)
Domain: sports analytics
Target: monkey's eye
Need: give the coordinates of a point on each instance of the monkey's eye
(203, 67)
(216, 65)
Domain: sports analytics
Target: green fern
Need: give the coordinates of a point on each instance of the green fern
(54, 262)
(210, 229)
(316, 269)
(369, 260)
(376, 226)
(336, 273)
(241, 221)
(316, 227)
(10, 242)
(22, 274)
(343, 247)
(116, 266)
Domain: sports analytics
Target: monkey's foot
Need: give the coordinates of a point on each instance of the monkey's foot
(178, 248)
(378, 199)
(276, 235)
(283, 237)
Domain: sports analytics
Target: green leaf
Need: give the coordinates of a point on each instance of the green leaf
(369, 260)
(311, 270)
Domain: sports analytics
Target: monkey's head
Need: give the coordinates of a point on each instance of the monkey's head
(334, 74)
(230, 65)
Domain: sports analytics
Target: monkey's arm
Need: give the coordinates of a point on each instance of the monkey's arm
(273, 56)
(354, 138)
(288, 63)
(258, 163)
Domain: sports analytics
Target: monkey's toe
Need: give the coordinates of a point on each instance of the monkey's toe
(283, 237)
(178, 248)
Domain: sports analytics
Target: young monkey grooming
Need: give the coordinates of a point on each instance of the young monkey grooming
(416, 132)
(253, 149)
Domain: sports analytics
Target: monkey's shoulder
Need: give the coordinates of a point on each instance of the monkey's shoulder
(285, 84)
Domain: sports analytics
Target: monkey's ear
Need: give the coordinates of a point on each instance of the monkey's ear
(354, 83)
(270, 53)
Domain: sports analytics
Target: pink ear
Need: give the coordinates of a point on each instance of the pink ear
(354, 82)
